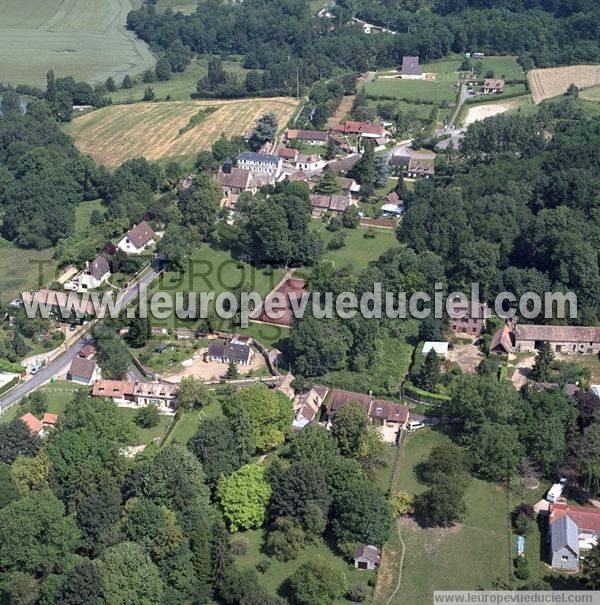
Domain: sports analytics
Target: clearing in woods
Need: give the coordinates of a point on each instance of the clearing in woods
(158, 131)
(80, 38)
(554, 81)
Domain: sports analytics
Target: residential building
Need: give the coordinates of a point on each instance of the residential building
(288, 155)
(284, 385)
(563, 339)
(467, 317)
(367, 130)
(572, 529)
(493, 85)
(137, 239)
(35, 425)
(87, 351)
(413, 167)
(308, 137)
(502, 340)
(310, 163)
(83, 370)
(328, 203)
(60, 302)
(344, 164)
(49, 421)
(234, 181)
(308, 405)
(138, 394)
(260, 163)
(411, 69)
(367, 557)
(237, 351)
(95, 273)
(349, 186)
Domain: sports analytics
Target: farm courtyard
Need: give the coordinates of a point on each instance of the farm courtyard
(160, 131)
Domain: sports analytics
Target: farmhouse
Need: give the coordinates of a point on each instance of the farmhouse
(367, 557)
(96, 272)
(137, 239)
(310, 137)
(260, 163)
(467, 317)
(235, 351)
(368, 130)
(493, 85)
(83, 370)
(413, 167)
(571, 530)
(344, 164)
(562, 339)
(411, 69)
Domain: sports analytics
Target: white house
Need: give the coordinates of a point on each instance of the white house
(96, 272)
(310, 163)
(262, 163)
(137, 239)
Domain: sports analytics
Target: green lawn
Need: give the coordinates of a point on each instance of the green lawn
(471, 555)
(188, 423)
(183, 6)
(83, 212)
(179, 87)
(274, 580)
(147, 436)
(358, 250)
(24, 269)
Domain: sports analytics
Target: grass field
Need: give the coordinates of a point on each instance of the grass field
(114, 134)
(470, 555)
(83, 39)
(554, 81)
(178, 88)
(24, 269)
(182, 6)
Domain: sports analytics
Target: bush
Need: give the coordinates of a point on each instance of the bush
(522, 524)
(357, 593)
(240, 546)
(263, 565)
(147, 417)
(521, 568)
(402, 503)
(286, 541)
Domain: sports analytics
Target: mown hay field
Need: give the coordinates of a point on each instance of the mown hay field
(85, 39)
(554, 81)
(117, 133)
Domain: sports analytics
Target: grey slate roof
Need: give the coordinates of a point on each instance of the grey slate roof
(250, 156)
(99, 267)
(410, 66)
(564, 532)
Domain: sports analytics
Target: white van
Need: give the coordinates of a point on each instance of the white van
(555, 492)
(413, 425)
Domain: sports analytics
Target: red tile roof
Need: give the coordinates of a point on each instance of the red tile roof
(587, 518)
(379, 409)
(112, 388)
(50, 418)
(33, 424)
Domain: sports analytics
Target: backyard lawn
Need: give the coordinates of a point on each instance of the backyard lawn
(470, 555)
(188, 423)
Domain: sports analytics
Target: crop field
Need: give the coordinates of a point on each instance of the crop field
(114, 134)
(86, 39)
(554, 81)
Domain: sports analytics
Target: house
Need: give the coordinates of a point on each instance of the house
(411, 69)
(571, 529)
(393, 205)
(234, 181)
(49, 420)
(310, 163)
(413, 167)
(308, 405)
(236, 351)
(367, 557)
(284, 385)
(440, 348)
(344, 164)
(266, 148)
(138, 394)
(35, 426)
(260, 163)
(328, 203)
(137, 239)
(83, 370)
(493, 85)
(380, 411)
(120, 391)
(502, 340)
(467, 317)
(288, 155)
(349, 186)
(367, 130)
(87, 351)
(309, 137)
(297, 175)
(96, 272)
(563, 339)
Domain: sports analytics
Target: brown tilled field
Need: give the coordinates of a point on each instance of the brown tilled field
(117, 133)
(554, 81)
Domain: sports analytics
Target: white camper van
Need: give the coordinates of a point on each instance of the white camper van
(555, 492)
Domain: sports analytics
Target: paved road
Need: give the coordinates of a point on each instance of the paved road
(59, 364)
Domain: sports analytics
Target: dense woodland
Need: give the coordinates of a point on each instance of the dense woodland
(283, 40)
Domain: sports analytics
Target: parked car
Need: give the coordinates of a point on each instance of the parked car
(555, 492)
(413, 425)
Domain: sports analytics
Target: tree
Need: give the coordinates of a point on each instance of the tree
(81, 585)
(19, 346)
(139, 332)
(147, 417)
(442, 462)
(16, 440)
(232, 371)
(382, 171)
(429, 373)
(331, 149)
(214, 445)
(442, 504)
(362, 514)
(110, 84)
(314, 443)
(113, 357)
(97, 516)
(589, 458)
(364, 170)
(590, 568)
(328, 184)
(30, 473)
(35, 534)
(193, 393)
(50, 86)
(148, 77)
(128, 576)
(8, 488)
(572, 91)
(264, 130)
(402, 503)
(540, 371)
(148, 94)
(18, 588)
(163, 69)
(127, 82)
(316, 582)
(268, 414)
(36, 403)
(244, 496)
(286, 540)
(350, 218)
(200, 203)
(348, 426)
(495, 451)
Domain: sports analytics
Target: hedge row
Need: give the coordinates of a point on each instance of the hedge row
(421, 393)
